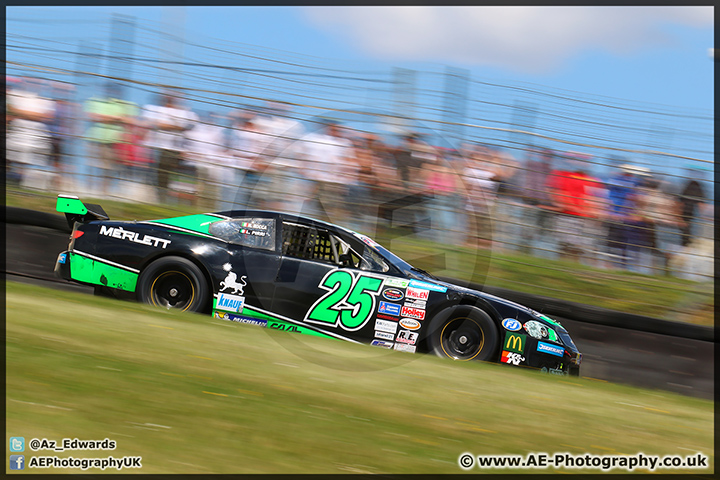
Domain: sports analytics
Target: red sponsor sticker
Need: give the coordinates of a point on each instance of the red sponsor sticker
(404, 336)
(412, 313)
(417, 293)
(512, 358)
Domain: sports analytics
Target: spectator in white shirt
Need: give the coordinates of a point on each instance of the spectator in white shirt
(249, 147)
(168, 123)
(330, 169)
(208, 155)
(283, 154)
(28, 138)
(481, 183)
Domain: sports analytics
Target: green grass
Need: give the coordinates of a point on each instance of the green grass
(192, 394)
(664, 297)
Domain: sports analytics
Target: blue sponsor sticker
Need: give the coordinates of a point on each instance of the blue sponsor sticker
(230, 303)
(389, 308)
(381, 343)
(511, 324)
(428, 286)
(551, 349)
(62, 258)
(241, 319)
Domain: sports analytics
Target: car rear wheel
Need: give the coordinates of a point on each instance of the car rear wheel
(173, 282)
(463, 333)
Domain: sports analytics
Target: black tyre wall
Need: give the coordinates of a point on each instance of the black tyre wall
(185, 267)
(450, 316)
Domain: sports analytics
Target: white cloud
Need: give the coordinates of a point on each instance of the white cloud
(528, 39)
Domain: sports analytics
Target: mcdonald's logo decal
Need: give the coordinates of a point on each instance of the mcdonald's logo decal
(514, 342)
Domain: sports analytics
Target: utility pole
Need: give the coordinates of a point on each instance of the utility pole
(523, 122)
(172, 46)
(122, 36)
(87, 69)
(455, 104)
(404, 98)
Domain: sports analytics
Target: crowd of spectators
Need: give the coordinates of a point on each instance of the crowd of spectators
(547, 203)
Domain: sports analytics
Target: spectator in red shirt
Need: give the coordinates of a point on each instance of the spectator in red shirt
(133, 155)
(570, 192)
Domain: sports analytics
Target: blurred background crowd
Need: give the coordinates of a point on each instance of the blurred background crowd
(547, 202)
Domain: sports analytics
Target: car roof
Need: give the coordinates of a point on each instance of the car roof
(291, 217)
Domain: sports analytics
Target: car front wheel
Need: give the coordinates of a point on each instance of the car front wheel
(173, 282)
(463, 333)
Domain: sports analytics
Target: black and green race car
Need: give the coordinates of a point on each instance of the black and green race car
(288, 272)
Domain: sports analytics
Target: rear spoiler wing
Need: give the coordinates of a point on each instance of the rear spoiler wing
(77, 211)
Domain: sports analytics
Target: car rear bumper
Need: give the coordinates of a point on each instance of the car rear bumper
(62, 266)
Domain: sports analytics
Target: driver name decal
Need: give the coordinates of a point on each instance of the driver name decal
(251, 228)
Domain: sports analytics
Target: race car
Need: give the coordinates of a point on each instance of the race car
(288, 272)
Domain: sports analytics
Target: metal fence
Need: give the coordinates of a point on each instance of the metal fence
(517, 168)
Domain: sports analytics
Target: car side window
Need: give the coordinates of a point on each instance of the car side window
(248, 232)
(311, 243)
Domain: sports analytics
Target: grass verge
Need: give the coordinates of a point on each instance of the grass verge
(192, 394)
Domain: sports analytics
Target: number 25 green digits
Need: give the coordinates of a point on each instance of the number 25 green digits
(349, 298)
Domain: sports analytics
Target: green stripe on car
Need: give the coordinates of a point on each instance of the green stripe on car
(88, 270)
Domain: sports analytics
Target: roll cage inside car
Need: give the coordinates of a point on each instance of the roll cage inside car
(312, 242)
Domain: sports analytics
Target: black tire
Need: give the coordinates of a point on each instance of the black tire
(173, 282)
(463, 333)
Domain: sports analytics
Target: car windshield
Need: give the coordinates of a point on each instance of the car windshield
(382, 252)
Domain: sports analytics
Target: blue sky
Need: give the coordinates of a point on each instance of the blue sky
(643, 55)
(647, 54)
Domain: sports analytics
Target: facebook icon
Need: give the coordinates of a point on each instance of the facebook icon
(17, 462)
